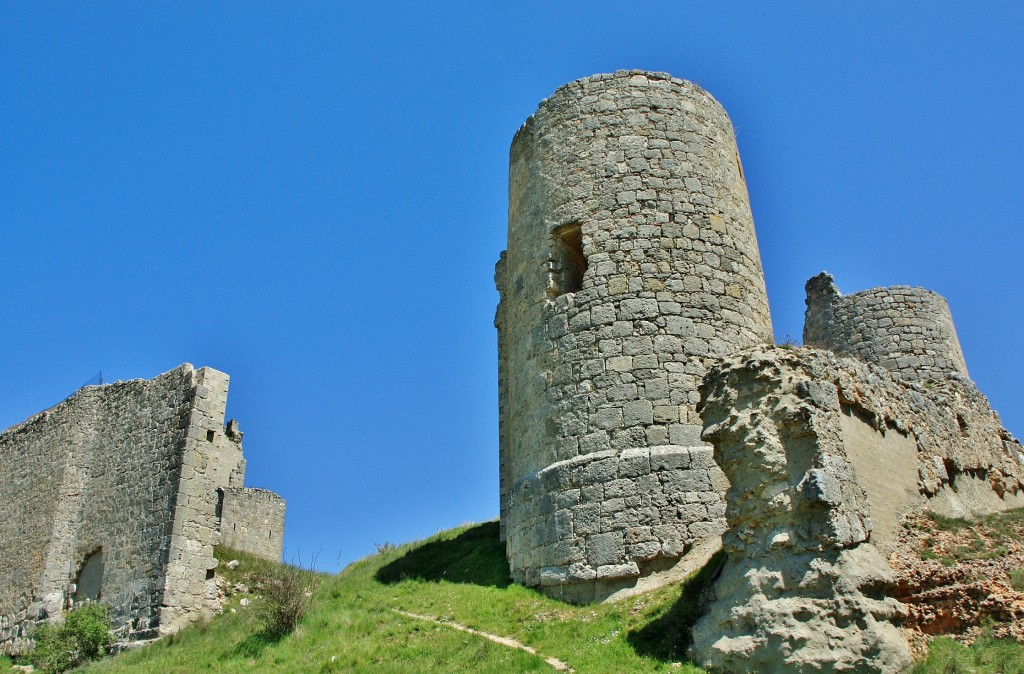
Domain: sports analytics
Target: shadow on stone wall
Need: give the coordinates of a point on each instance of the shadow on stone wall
(476, 556)
(668, 637)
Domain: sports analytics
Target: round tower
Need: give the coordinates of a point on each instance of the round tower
(631, 260)
(906, 330)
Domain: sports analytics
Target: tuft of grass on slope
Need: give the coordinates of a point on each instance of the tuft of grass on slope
(984, 656)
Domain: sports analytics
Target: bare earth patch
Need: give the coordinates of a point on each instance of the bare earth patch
(503, 641)
(957, 578)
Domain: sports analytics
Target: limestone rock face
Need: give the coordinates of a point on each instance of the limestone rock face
(803, 589)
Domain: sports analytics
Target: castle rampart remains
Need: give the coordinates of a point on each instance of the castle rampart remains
(631, 263)
(645, 419)
(112, 495)
(825, 455)
(908, 331)
(253, 520)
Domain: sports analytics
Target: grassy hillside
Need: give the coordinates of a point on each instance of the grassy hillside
(359, 621)
(407, 609)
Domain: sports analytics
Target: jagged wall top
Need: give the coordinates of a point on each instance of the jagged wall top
(909, 331)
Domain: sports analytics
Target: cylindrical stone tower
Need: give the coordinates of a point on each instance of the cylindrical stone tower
(631, 260)
(906, 330)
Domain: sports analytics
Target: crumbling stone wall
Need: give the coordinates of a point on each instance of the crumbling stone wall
(125, 475)
(825, 455)
(253, 521)
(906, 330)
(631, 261)
(804, 588)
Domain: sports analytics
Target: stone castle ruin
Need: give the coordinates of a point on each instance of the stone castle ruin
(118, 494)
(646, 419)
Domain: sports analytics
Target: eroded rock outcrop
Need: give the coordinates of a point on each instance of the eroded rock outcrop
(825, 456)
(803, 589)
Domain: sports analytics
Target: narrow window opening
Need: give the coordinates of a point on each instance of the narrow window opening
(220, 506)
(210, 435)
(90, 578)
(210, 573)
(570, 263)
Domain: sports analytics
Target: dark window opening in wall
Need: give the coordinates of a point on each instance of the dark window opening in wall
(210, 573)
(89, 581)
(570, 262)
(220, 506)
(270, 534)
(210, 435)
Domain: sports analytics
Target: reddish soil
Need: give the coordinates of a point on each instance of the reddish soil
(957, 583)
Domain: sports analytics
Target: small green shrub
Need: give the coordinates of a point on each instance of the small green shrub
(950, 523)
(789, 343)
(286, 592)
(84, 635)
(1017, 579)
(985, 656)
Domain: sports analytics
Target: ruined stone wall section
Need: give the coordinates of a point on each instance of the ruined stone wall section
(824, 456)
(125, 474)
(97, 472)
(211, 460)
(631, 260)
(253, 522)
(906, 330)
(886, 465)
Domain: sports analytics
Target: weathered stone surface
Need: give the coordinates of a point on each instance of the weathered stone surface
(631, 261)
(113, 494)
(824, 456)
(803, 589)
(253, 522)
(909, 331)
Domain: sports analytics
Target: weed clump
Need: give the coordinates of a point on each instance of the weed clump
(84, 635)
(1017, 579)
(985, 656)
(286, 592)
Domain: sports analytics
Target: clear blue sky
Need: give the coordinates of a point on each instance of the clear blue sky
(312, 196)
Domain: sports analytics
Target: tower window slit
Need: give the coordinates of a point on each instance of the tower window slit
(570, 262)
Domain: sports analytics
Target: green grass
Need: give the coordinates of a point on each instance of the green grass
(985, 656)
(1017, 579)
(1003, 524)
(999, 527)
(460, 576)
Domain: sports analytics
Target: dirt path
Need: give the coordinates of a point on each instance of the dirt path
(503, 641)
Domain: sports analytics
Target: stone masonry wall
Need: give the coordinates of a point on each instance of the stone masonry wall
(125, 470)
(253, 522)
(908, 331)
(631, 261)
(211, 460)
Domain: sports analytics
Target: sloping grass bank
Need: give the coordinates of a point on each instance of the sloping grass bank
(358, 621)
(397, 611)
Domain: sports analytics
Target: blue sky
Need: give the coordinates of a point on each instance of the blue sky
(312, 196)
